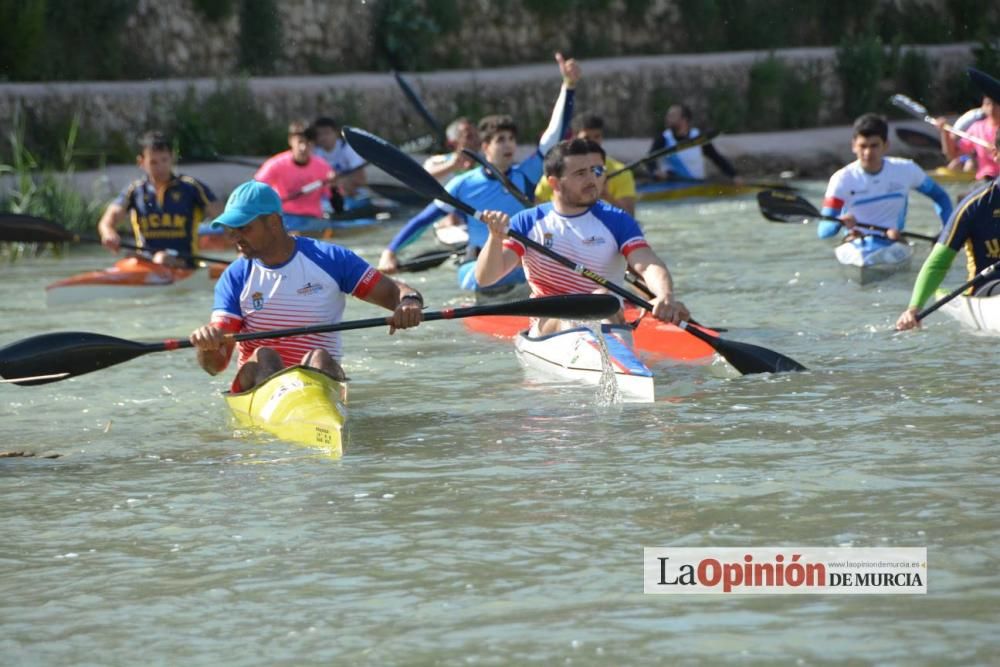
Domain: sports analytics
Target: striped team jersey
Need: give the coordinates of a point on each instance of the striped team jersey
(879, 199)
(308, 289)
(975, 227)
(600, 239)
(166, 220)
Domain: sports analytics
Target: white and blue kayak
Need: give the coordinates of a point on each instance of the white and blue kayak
(576, 354)
(873, 258)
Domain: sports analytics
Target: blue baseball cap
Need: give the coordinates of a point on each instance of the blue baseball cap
(246, 202)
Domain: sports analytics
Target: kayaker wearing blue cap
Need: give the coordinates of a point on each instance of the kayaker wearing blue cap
(282, 281)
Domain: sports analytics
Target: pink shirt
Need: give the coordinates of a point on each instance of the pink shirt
(986, 130)
(290, 179)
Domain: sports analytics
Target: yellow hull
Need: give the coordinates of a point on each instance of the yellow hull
(300, 405)
(679, 190)
(946, 175)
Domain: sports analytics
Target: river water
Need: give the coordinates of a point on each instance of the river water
(480, 517)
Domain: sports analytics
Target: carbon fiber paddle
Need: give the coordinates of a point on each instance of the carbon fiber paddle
(58, 356)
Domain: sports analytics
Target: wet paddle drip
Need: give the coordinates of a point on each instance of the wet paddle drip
(608, 392)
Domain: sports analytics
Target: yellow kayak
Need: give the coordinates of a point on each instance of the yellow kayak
(946, 175)
(671, 190)
(299, 404)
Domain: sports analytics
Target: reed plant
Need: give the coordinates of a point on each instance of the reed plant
(29, 188)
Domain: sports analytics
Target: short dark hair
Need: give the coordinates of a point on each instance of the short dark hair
(154, 140)
(326, 121)
(300, 128)
(555, 159)
(871, 125)
(588, 121)
(684, 109)
(490, 126)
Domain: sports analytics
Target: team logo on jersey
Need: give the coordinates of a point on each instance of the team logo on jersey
(309, 288)
(258, 300)
(176, 196)
(993, 248)
(895, 186)
(595, 240)
(547, 240)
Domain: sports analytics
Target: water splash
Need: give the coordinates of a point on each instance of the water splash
(608, 392)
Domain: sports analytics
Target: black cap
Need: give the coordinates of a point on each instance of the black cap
(989, 86)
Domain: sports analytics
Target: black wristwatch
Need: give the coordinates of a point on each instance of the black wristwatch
(413, 295)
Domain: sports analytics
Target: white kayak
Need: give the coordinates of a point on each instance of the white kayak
(870, 259)
(981, 313)
(575, 354)
(451, 236)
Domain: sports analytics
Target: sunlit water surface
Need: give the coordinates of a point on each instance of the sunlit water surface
(481, 517)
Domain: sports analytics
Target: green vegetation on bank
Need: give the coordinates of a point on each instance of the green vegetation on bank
(62, 40)
(46, 191)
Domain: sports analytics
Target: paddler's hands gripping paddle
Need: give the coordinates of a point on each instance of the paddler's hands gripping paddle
(781, 206)
(744, 357)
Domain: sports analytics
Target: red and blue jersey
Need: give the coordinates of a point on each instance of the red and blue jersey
(308, 289)
(600, 239)
(169, 219)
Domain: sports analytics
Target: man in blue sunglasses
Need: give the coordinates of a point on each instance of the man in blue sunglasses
(577, 225)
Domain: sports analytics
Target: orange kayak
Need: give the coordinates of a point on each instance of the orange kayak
(130, 278)
(651, 336)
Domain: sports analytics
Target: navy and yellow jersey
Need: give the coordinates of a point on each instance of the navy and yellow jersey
(167, 220)
(975, 227)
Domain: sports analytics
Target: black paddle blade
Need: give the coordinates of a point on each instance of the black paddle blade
(422, 110)
(566, 307)
(21, 228)
(747, 358)
(401, 166)
(785, 206)
(427, 260)
(918, 139)
(70, 352)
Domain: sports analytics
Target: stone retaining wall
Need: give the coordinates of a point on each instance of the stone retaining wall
(631, 93)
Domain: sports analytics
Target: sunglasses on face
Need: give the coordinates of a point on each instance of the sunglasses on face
(597, 170)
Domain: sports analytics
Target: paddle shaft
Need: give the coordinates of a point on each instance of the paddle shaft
(197, 258)
(667, 150)
(918, 111)
(421, 109)
(524, 199)
(782, 205)
(976, 279)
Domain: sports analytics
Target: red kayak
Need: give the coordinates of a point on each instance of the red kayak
(651, 336)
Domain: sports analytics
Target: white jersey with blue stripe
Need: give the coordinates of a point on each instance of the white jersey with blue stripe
(688, 164)
(879, 199)
(600, 239)
(308, 289)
